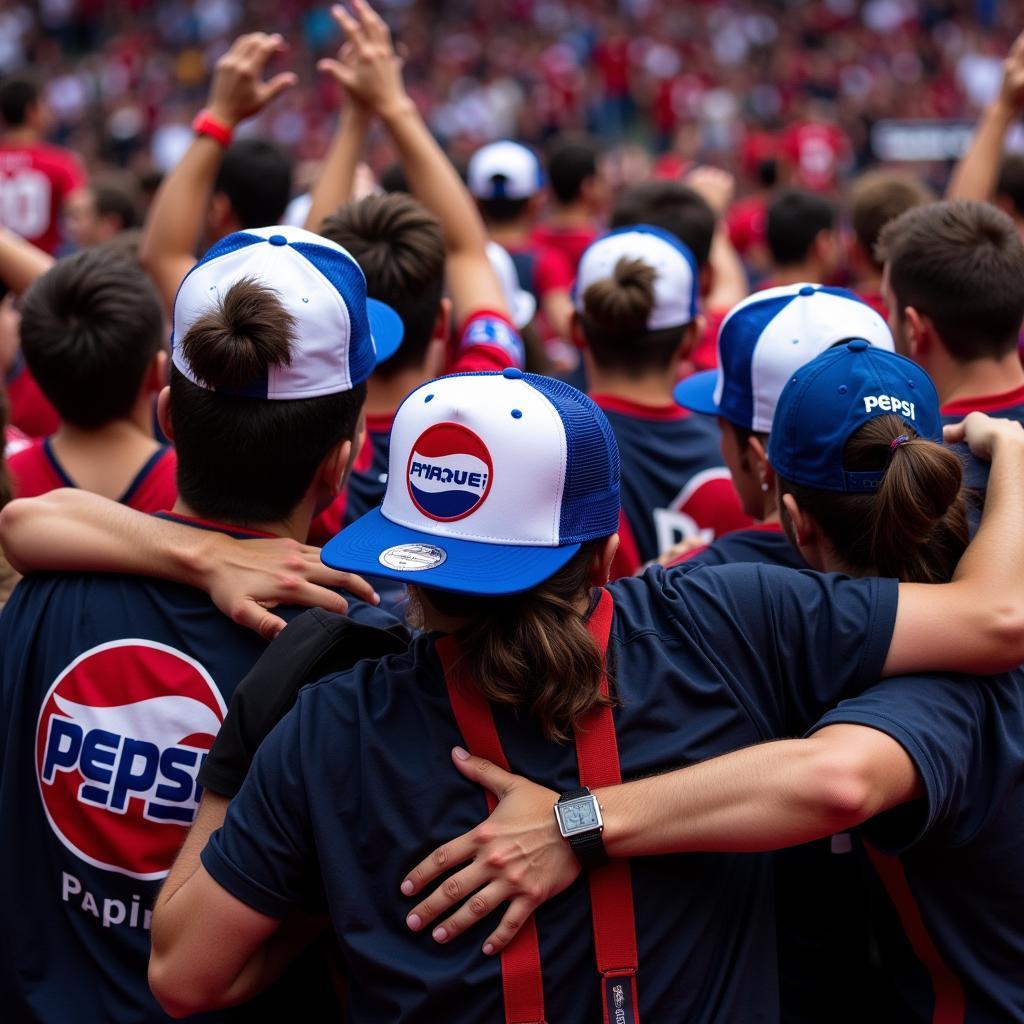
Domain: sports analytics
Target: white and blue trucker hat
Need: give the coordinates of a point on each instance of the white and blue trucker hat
(341, 335)
(504, 170)
(765, 338)
(827, 401)
(494, 482)
(675, 283)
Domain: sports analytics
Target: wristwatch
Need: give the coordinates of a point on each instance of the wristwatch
(579, 820)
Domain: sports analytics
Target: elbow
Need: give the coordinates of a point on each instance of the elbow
(13, 520)
(841, 789)
(1007, 638)
(178, 992)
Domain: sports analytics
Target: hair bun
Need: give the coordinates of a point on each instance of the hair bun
(625, 300)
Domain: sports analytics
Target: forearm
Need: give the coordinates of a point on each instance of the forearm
(73, 530)
(335, 182)
(974, 177)
(761, 798)
(174, 223)
(730, 279)
(20, 261)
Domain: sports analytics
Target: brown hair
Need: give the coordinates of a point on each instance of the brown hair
(533, 650)
(879, 197)
(962, 265)
(246, 459)
(914, 526)
(398, 243)
(614, 321)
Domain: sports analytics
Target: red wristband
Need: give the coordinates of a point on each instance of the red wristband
(206, 124)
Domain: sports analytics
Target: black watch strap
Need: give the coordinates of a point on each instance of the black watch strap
(587, 846)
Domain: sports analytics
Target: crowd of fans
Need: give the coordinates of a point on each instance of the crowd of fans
(635, 443)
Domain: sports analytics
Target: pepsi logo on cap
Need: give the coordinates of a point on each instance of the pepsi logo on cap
(449, 472)
(121, 736)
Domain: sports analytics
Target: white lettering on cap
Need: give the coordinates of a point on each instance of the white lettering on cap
(890, 403)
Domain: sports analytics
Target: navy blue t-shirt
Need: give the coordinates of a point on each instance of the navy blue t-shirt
(674, 484)
(355, 786)
(949, 868)
(765, 543)
(111, 690)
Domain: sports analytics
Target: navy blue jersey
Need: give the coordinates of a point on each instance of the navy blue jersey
(950, 867)
(369, 477)
(111, 690)
(1009, 405)
(355, 786)
(763, 542)
(674, 484)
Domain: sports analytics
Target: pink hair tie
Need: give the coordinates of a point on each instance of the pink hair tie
(897, 441)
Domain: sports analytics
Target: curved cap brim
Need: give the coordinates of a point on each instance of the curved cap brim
(386, 327)
(697, 393)
(375, 546)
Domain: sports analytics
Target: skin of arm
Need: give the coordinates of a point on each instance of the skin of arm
(210, 950)
(174, 224)
(371, 73)
(760, 798)
(335, 183)
(20, 261)
(728, 278)
(975, 175)
(72, 530)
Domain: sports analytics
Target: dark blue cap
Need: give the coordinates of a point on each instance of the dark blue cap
(829, 399)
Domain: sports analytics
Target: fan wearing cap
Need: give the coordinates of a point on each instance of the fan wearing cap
(763, 340)
(636, 320)
(507, 182)
(113, 687)
(868, 490)
(501, 510)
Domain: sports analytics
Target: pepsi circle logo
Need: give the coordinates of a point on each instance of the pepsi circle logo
(449, 472)
(121, 736)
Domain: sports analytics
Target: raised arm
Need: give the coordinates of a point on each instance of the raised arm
(174, 225)
(761, 798)
(975, 176)
(20, 261)
(76, 531)
(975, 623)
(729, 279)
(371, 72)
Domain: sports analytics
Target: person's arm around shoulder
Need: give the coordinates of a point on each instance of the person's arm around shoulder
(174, 224)
(975, 623)
(975, 176)
(72, 530)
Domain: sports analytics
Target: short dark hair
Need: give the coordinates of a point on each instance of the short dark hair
(673, 207)
(570, 164)
(503, 211)
(795, 219)
(1010, 182)
(249, 460)
(879, 197)
(256, 176)
(90, 327)
(393, 179)
(961, 264)
(17, 94)
(113, 199)
(398, 243)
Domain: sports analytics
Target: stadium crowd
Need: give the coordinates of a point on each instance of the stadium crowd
(548, 546)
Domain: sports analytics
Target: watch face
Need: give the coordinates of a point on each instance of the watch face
(578, 815)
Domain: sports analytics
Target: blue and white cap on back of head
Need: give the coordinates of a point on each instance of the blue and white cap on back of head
(504, 170)
(675, 283)
(340, 334)
(765, 338)
(494, 482)
(829, 399)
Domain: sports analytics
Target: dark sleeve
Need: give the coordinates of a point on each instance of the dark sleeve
(791, 644)
(939, 722)
(263, 853)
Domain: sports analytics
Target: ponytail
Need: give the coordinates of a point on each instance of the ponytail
(533, 651)
(914, 526)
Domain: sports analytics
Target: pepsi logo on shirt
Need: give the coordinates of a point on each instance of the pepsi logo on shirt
(449, 472)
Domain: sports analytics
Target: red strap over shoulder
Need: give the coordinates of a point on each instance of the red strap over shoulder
(521, 977)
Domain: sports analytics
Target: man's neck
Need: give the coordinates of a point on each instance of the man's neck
(573, 217)
(514, 234)
(981, 378)
(23, 136)
(384, 396)
(651, 389)
(794, 274)
(297, 527)
(868, 282)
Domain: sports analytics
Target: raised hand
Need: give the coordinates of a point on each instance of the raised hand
(1011, 92)
(983, 433)
(238, 90)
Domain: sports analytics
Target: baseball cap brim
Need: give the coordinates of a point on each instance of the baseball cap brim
(387, 329)
(468, 567)
(697, 393)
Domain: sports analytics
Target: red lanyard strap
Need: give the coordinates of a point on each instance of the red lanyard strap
(611, 890)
